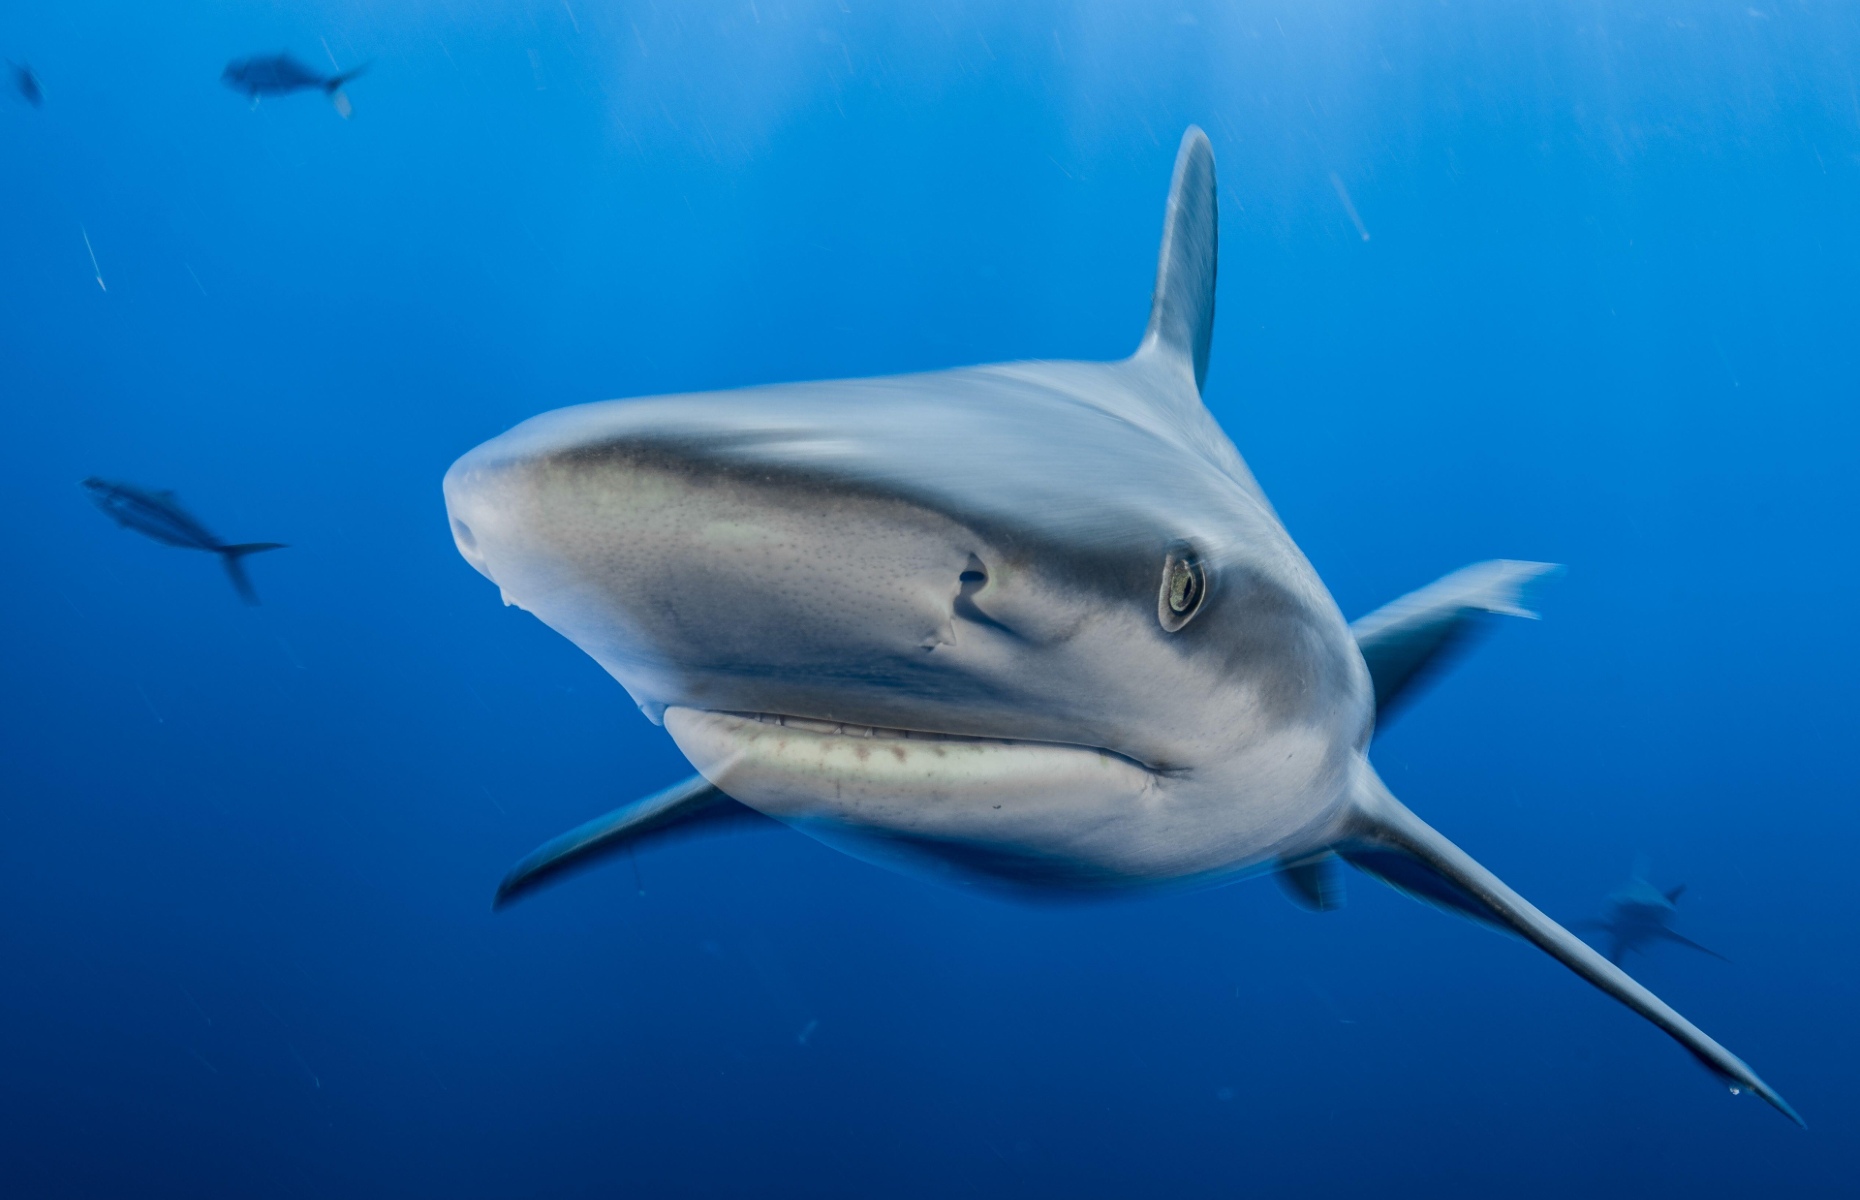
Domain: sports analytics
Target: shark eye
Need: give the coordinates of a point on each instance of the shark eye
(1184, 587)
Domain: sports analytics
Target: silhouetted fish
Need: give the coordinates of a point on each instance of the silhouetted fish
(280, 75)
(159, 515)
(27, 84)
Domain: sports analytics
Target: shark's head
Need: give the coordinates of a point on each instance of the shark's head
(1034, 619)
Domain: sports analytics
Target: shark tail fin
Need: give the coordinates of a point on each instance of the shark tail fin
(233, 558)
(1386, 840)
(1182, 306)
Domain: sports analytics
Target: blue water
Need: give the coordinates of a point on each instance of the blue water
(1605, 316)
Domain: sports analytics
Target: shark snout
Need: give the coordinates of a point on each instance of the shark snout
(470, 488)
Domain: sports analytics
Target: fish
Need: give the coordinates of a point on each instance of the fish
(279, 75)
(159, 515)
(26, 83)
(1031, 625)
(1639, 916)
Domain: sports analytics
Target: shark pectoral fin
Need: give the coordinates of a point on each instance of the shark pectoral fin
(1182, 306)
(1382, 828)
(1406, 639)
(1416, 879)
(1669, 935)
(1312, 883)
(683, 807)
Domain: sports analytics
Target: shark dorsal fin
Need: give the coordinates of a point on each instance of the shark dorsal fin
(1182, 307)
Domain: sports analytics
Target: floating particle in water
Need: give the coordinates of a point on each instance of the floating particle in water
(94, 268)
(1343, 194)
(314, 1079)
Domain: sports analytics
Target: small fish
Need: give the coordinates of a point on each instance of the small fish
(159, 515)
(26, 83)
(280, 75)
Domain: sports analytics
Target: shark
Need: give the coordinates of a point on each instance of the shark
(1638, 916)
(1031, 625)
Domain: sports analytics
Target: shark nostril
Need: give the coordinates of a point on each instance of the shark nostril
(970, 584)
(461, 532)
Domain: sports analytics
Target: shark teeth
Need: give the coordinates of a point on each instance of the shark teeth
(849, 729)
(1036, 798)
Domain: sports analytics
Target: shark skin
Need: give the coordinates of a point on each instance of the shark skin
(1032, 625)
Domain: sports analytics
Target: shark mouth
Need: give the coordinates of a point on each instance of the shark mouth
(907, 783)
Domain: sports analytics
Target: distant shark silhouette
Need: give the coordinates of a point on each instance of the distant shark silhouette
(279, 75)
(1639, 916)
(159, 515)
(1032, 624)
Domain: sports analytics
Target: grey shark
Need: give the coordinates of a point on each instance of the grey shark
(159, 515)
(1033, 625)
(1640, 916)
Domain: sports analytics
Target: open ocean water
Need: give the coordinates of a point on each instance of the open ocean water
(1560, 281)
